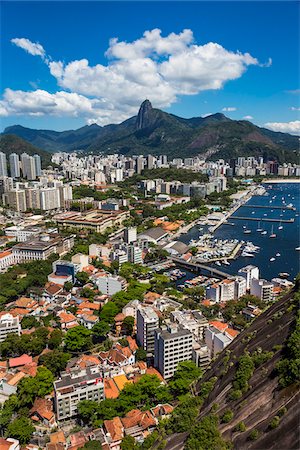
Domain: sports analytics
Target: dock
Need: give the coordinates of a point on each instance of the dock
(263, 219)
(291, 208)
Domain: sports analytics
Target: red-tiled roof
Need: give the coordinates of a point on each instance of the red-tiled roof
(20, 361)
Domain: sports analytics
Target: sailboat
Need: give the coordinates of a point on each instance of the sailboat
(272, 235)
(247, 231)
(259, 229)
(280, 226)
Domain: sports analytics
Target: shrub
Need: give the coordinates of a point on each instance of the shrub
(227, 416)
(282, 411)
(241, 427)
(254, 435)
(274, 422)
(235, 394)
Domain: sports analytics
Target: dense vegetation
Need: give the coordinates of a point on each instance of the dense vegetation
(10, 143)
(22, 278)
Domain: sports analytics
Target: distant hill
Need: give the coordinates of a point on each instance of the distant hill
(10, 143)
(251, 409)
(157, 132)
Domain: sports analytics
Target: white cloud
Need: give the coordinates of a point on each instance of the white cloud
(248, 117)
(229, 109)
(294, 91)
(33, 48)
(155, 67)
(40, 103)
(293, 108)
(285, 127)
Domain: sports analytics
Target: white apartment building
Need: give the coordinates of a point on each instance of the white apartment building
(28, 166)
(75, 386)
(3, 165)
(135, 254)
(15, 199)
(249, 273)
(240, 287)
(171, 346)
(7, 259)
(147, 323)
(110, 284)
(193, 321)
(9, 324)
(130, 235)
(14, 164)
(50, 198)
(221, 292)
(216, 340)
(262, 289)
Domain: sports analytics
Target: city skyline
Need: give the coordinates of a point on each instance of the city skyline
(189, 67)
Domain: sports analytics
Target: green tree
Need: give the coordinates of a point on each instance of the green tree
(21, 429)
(128, 324)
(108, 312)
(186, 373)
(68, 286)
(56, 361)
(141, 354)
(55, 339)
(205, 435)
(92, 445)
(78, 339)
(30, 322)
(100, 331)
(128, 443)
(82, 277)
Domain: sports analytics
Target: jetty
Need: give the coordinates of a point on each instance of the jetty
(291, 208)
(263, 219)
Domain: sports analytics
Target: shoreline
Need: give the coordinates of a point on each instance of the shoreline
(281, 180)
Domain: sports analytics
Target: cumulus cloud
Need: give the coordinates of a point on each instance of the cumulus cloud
(153, 66)
(285, 127)
(294, 108)
(32, 48)
(229, 108)
(248, 117)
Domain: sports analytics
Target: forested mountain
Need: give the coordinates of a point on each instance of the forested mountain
(157, 132)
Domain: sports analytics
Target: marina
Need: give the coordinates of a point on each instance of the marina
(284, 246)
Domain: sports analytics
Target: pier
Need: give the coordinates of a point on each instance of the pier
(263, 219)
(200, 267)
(291, 208)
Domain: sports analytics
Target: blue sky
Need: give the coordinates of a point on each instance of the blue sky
(241, 58)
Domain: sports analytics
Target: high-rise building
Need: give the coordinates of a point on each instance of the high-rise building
(150, 162)
(75, 386)
(110, 284)
(15, 199)
(9, 324)
(38, 165)
(130, 235)
(171, 347)
(28, 166)
(33, 200)
(50, 198)
(3, 165)
(139, 164)
(249, 273)
(147, 323)
(135, 254)
(14, 164)
(262, 289)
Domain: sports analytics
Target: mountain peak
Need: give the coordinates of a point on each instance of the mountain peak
(143, 114)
